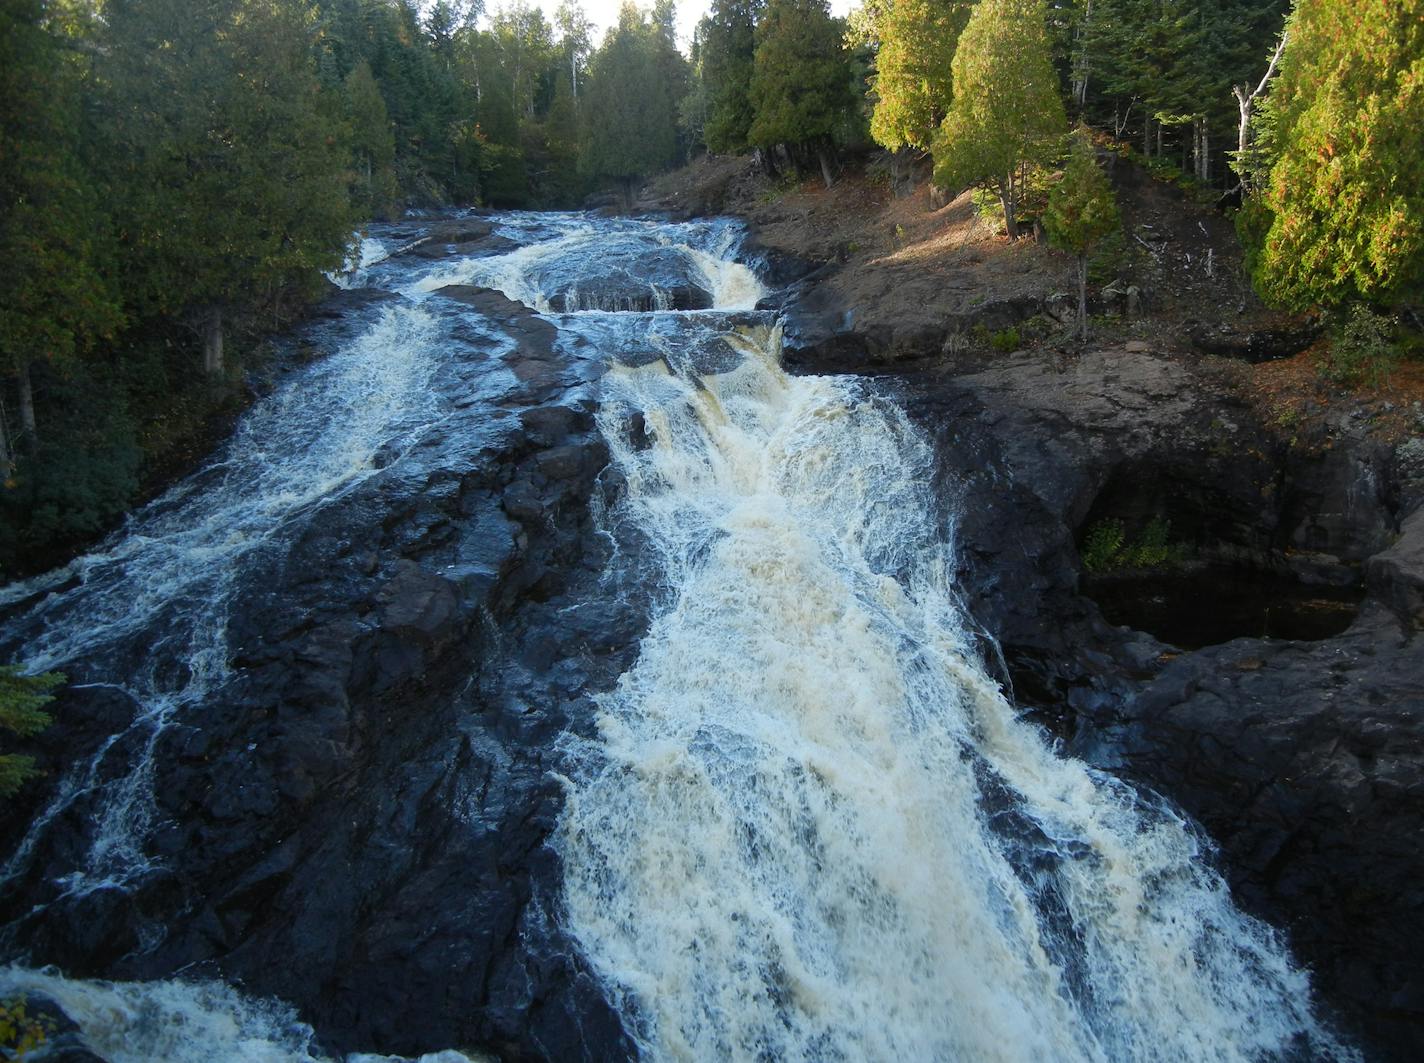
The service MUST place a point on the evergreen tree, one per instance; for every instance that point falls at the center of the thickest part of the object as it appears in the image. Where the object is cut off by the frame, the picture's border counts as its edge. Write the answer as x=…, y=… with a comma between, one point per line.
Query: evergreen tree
x=630, y=128
x=22, y=698
x=913, y=78
x=1344, y=201
x=373, y=144
x=728, y=47
x=1006, y=113
x=54, y=298
x=228, y=180
x=1082, y=211
x=800, y=87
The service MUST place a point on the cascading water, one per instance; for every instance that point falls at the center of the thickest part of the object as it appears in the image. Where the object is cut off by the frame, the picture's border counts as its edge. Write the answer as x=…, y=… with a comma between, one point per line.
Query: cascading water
x=814, y=828
x=810, y=826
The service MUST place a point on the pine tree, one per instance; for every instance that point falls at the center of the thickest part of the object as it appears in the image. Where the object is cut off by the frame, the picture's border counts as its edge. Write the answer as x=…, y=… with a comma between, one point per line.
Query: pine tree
x=1006, y=112
x=228, y=179
x=913, y=79
x=22, y=698
x=630, y=128
x=728, y=47
x=1082, y=211
x=800, y=87
x=1344, y=201
x=373, y=145
x=54, y=297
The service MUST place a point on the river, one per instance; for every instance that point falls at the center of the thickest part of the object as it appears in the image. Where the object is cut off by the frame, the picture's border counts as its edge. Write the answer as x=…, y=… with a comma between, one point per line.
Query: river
x=804, y=823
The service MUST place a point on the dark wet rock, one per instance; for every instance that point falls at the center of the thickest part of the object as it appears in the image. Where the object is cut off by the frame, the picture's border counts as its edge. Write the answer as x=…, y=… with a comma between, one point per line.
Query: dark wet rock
x=1396, y=575
x=533, y=334
x=625, y=279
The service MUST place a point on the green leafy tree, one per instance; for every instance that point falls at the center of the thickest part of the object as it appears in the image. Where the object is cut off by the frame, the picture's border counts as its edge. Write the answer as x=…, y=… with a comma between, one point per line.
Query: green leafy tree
x=1081, y=212
x=575, y=41
x=914, y=78
x=229, y=181
x=1342, y=212
x=22, y=700
x=1006, y=115
x=373, y=144
x=800, y=87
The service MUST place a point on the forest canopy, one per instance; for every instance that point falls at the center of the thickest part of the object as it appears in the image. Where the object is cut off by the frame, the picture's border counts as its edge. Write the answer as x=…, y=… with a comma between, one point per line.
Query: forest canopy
x=176, y=177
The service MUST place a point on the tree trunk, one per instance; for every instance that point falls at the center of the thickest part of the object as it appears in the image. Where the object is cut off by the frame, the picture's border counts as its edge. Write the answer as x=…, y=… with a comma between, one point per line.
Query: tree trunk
x=213, y=343
x=27, y=407
x=1147, y=136
x=7, y=459
x=1083, y=298
x=1080, y=61
x=827, y=174
x=1006, y=200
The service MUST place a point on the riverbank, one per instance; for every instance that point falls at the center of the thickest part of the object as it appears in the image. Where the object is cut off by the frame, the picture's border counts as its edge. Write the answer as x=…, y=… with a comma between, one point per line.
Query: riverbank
x=1188, y=463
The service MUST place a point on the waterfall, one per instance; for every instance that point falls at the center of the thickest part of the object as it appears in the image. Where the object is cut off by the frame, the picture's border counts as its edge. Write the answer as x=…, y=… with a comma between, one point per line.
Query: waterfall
x=185, y=1022
x=812, y=827
x=809, y=826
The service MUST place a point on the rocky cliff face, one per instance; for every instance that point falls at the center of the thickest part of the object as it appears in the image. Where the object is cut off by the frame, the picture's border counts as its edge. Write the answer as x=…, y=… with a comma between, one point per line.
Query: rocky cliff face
x=1304, y=761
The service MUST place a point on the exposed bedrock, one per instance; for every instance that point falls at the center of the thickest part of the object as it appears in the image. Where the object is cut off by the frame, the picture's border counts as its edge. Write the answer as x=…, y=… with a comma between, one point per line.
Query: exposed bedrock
x=622, y=280
x=356, y=822
x=1303, y=759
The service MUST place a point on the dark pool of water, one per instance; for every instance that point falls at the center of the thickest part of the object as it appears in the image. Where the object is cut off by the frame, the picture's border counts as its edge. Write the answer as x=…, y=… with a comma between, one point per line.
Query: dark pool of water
x=1204, y=607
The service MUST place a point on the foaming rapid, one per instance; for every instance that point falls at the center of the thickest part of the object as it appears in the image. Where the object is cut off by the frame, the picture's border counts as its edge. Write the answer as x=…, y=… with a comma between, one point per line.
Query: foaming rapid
x=573, y=263
x=812, y=827
x=183, y=1022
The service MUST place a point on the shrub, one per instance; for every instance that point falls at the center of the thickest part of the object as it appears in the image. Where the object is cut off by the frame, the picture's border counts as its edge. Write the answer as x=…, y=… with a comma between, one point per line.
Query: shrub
x=21, y=700
x=1361, y=351
x=1106, y=547
x=1102, y=544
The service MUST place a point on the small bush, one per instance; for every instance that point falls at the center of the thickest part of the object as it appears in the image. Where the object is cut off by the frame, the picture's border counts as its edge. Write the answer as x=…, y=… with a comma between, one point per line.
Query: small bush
x=1102, y=544
x=1106, y=547
x=20, y=1032
x=1005, y=340
x=1361, y=351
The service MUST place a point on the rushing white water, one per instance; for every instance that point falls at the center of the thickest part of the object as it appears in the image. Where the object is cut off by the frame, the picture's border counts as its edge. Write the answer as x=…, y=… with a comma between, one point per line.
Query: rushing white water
x=363, y=253
x=560, y=254
x=814, y=828
x=184, y=1022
